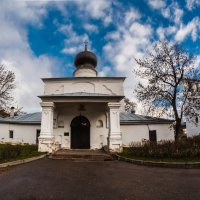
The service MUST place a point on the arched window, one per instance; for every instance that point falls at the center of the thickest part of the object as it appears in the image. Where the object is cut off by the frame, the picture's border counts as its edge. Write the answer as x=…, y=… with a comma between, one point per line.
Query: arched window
x=99, y=124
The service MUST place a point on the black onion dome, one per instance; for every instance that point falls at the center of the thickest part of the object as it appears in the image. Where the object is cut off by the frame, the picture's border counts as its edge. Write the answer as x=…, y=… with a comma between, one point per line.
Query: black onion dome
x=85, y=57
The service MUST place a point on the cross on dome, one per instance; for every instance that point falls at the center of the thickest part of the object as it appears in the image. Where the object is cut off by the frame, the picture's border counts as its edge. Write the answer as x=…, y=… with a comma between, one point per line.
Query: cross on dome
x=86, y=45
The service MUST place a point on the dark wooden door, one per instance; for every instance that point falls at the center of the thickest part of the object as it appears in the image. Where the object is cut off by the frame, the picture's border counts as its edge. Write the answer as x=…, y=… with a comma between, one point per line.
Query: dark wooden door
x=37, y=135
x=80, y=133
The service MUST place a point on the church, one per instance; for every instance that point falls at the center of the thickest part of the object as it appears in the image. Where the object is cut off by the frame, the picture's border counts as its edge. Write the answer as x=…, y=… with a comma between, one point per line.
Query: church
x=83, y=112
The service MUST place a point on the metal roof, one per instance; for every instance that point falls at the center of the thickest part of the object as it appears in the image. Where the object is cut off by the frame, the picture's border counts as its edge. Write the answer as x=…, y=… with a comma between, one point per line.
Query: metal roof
x=32, y=118
x=132, y=118
x=125, y=119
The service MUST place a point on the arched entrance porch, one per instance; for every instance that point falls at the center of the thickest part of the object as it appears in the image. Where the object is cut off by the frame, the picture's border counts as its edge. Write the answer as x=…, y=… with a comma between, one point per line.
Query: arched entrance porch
x=80, y=133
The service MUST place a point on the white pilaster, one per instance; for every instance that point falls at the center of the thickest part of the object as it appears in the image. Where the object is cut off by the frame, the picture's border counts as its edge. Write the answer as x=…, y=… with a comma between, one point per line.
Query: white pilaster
x=46, y=139
x=115, y=138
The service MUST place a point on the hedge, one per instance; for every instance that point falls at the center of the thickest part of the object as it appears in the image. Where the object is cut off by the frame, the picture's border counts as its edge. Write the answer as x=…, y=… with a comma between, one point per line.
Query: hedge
x=9, y=152
x=188, y=148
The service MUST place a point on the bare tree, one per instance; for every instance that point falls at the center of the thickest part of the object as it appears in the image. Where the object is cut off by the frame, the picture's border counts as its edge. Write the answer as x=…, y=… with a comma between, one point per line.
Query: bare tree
x=168, y=69
x=130, y=106
x=7, y=84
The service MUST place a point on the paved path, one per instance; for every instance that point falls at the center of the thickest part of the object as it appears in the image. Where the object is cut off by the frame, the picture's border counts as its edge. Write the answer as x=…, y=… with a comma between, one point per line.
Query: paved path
x=61, y=179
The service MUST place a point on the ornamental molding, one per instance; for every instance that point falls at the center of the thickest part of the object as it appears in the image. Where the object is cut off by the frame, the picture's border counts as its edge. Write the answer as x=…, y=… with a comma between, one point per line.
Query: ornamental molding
x=114, y=105
x=47, y=104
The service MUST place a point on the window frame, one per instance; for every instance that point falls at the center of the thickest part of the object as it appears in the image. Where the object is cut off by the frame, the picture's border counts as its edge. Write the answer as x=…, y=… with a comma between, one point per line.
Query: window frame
x=153, y=136
x=11, y=134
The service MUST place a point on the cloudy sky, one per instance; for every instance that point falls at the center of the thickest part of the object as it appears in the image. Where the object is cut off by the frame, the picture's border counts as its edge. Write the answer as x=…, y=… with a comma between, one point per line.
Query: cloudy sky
x=40, y=38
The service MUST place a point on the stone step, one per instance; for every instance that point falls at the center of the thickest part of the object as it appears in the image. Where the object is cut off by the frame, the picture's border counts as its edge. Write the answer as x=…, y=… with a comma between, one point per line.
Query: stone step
x=79, y=155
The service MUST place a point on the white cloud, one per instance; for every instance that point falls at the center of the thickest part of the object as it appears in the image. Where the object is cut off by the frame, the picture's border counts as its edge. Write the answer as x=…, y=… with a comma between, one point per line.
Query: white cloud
x=16, y=54
x=166, y=12
x=105, y=71
x=126, y=43
x=90, y=28
x=173, y=12
x=96, y=9
x=73, y=42
x=164, y=32
x=157, y=4
x=180, y=32
x=87, y=9
x=191, y=4
x=161, y=33
x=132, y=43
x=113, y=35
x=64, y=28
x=178, y=13
x=23, y=11
x=69, y=50
x=107, y=20
x=131, y=16
x=192, y=28
x=140, y=30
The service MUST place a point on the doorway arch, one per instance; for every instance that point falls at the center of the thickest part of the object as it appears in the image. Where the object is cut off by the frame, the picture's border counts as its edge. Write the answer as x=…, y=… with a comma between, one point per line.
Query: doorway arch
x=80, y=133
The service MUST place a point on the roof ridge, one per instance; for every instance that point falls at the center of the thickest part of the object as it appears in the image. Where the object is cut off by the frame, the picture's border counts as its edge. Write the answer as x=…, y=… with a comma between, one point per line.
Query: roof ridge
x=143, y=117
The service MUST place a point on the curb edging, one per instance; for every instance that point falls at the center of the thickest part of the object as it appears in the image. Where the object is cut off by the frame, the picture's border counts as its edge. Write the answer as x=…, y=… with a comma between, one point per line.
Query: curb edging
x=18, y=162
x=160, y=164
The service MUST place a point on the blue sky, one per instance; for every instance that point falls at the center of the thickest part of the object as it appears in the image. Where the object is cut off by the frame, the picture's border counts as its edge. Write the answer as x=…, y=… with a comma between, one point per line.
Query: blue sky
x=40, y=38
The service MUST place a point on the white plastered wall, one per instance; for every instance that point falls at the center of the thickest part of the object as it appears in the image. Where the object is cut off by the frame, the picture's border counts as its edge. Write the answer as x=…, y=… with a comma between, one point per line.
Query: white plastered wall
x=103, y=86
x=21, y=133
x=135, y=133
x=85, y=72
x=93, y=112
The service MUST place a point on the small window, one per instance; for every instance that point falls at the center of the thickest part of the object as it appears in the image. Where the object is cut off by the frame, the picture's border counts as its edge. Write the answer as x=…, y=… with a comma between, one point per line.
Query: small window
x=10, y=134
x=37, y=135
x=66, y=133
x=152, y=136
x=60, y=124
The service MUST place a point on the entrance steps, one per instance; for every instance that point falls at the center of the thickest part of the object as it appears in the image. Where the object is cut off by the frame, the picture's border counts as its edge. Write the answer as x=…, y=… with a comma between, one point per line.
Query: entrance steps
x=81, y=155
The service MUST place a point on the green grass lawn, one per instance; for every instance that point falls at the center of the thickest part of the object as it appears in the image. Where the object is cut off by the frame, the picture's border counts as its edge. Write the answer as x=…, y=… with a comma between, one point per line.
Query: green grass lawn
x=10, y=152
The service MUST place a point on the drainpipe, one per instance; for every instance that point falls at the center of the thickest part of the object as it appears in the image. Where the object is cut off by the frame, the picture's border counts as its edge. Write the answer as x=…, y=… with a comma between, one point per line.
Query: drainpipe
x=148, y=127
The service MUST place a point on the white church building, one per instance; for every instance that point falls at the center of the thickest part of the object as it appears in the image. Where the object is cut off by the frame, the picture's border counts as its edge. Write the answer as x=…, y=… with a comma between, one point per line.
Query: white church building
x=83, y=112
